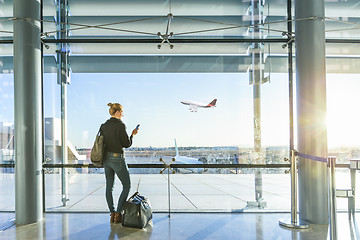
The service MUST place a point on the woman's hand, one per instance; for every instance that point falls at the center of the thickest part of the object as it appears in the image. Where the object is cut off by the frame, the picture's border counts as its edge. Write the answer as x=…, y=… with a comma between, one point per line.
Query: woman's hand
x=134, y=132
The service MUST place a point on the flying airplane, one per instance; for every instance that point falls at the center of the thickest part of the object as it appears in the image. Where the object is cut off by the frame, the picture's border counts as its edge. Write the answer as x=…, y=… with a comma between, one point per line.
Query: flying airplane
x=187, y=160
x=194, y=105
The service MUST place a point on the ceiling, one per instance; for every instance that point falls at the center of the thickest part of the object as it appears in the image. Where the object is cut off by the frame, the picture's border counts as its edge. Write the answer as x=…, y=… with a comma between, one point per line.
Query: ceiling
x=224, y=24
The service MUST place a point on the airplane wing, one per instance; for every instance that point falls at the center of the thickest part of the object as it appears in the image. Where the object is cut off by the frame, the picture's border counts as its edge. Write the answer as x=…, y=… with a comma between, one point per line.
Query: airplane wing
x=193, y=108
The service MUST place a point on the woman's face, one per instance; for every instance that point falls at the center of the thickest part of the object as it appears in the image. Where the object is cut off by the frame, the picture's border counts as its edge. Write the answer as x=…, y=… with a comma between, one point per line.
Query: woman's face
x=119, y=114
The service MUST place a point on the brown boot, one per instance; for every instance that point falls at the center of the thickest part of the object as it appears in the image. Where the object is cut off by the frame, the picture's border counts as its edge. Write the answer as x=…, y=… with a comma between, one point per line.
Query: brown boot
x=112, y=217
x=118, y=218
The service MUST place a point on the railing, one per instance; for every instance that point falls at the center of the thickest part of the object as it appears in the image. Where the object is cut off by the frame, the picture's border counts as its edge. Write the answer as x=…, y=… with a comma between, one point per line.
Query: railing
x=174, y=165
x=163, y=166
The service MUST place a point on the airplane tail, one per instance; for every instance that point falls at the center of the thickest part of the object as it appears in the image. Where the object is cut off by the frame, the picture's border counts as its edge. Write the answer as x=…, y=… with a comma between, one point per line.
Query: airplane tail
x=176, y=148
x=212, y=103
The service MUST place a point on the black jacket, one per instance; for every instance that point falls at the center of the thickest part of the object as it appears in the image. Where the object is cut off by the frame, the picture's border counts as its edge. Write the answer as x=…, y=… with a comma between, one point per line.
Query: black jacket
x=115, y=136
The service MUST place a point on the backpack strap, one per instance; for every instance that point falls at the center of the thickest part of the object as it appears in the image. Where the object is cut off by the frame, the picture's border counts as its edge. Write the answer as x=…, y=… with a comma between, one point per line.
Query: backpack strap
x=99, y=132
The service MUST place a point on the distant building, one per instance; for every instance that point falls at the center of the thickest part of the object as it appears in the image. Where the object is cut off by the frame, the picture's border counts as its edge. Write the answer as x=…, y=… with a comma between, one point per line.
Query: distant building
x=6, y=136
x=52, y=142
x=7, y=145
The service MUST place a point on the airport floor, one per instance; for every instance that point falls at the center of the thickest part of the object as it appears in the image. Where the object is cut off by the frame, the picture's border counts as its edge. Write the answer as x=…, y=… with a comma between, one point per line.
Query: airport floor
x=188, y=192
x=205, y=206
x=190, y=226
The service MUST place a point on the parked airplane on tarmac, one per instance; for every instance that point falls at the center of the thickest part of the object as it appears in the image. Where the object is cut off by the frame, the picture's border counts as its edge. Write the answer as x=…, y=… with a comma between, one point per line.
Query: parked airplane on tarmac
x=194, y=105
x=186, y=160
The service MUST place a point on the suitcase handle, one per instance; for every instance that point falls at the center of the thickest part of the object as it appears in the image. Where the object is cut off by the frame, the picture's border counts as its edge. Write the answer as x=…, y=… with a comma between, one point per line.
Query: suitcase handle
x=137, y=196
x=134, y=195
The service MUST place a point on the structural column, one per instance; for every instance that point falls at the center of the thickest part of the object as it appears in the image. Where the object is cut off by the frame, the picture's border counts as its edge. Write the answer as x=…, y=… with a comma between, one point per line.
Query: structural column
x=256, y=79
x=28, y=112
x=311, y=109
x=63, y=54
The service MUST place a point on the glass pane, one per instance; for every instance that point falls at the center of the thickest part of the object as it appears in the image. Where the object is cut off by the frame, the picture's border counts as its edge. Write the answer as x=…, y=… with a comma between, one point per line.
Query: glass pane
x=154, y=101
x=7, y=188
x=152, y=89
x=341, y=22
x=171, y=19
x=342, y=118
x=7, y=156
x=7, y=144
x=52, y=120
x=86, y=190
x=6, y=21
x=275, y=118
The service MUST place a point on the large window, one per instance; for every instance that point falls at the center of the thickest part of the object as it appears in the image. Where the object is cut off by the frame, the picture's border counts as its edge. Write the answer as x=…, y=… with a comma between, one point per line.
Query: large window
x=7, y=185
x=343, y=116
x=150, y=59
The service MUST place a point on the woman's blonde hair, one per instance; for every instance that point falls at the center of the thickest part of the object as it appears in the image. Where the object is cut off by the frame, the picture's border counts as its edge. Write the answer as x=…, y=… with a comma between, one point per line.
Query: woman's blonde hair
x=114, y=107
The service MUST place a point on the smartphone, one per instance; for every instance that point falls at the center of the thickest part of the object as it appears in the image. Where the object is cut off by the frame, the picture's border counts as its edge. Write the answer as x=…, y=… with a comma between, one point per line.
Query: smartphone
x=137, y=127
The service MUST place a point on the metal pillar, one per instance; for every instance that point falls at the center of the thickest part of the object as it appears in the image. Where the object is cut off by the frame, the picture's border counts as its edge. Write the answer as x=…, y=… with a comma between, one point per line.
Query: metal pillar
x=64, y=155
x=168, y=167
x=351, y=201
x=65, y=227
x=311, y=109
x=28, y=112
x=42, y=104
x=294, y=222
x=290, y=74
x=257, y=142
x=256, y=79
x=332, y=197
x=63, y=79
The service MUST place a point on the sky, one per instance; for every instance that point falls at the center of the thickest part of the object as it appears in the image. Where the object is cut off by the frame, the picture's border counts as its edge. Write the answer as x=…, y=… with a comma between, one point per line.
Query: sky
x=343, y=112
x=153, y=101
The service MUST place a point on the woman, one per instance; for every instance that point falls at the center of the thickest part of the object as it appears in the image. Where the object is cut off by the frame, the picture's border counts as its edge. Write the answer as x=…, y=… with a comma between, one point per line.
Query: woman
x=115, y=139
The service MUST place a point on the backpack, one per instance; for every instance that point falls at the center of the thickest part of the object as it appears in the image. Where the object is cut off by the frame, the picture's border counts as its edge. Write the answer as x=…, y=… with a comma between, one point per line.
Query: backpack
x=97, y=151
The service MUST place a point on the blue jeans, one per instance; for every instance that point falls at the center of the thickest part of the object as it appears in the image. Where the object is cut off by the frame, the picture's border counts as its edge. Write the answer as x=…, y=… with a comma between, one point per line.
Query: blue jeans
x=116, y=165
